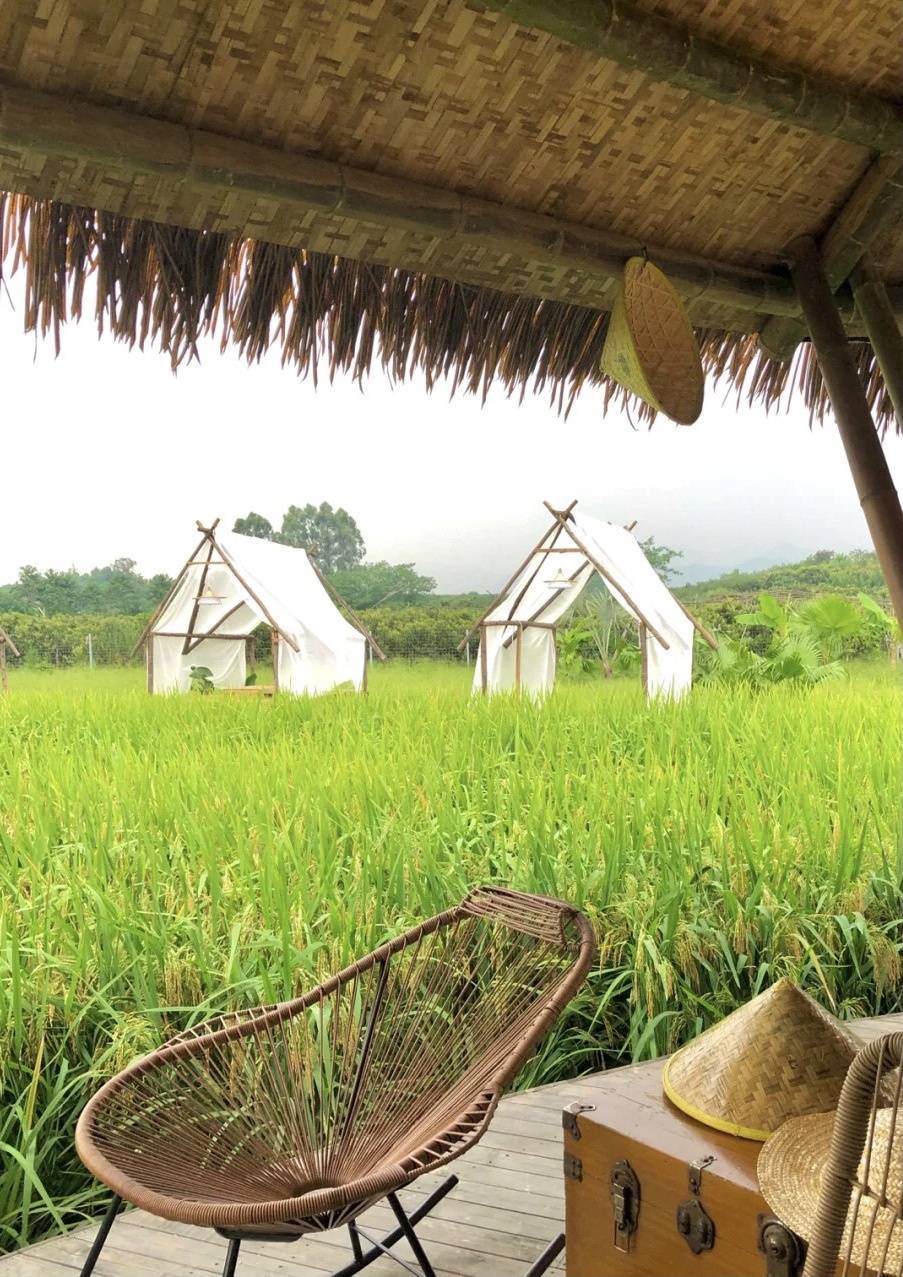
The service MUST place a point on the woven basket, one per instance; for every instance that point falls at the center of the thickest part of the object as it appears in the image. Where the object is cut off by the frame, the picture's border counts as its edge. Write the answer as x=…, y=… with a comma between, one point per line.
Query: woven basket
x=777, y=1057
x=650, y=347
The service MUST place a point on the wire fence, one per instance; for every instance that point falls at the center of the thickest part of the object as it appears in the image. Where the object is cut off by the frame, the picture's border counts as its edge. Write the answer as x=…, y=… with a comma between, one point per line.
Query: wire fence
x=403, y=634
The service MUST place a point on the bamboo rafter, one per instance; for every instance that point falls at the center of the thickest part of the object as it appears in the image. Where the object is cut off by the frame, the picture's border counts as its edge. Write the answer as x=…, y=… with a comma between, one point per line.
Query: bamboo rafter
x=664, y=50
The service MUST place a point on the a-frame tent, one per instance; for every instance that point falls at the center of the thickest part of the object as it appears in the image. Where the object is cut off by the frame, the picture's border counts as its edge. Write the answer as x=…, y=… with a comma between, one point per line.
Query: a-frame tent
x=229, y=586
x=517, y=631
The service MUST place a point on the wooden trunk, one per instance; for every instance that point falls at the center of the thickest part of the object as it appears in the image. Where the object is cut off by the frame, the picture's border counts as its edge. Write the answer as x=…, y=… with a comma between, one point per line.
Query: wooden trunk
x=634, y=1123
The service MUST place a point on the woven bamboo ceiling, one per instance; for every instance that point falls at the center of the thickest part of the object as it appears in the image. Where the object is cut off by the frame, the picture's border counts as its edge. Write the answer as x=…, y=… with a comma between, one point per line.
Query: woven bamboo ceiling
x=514, y=151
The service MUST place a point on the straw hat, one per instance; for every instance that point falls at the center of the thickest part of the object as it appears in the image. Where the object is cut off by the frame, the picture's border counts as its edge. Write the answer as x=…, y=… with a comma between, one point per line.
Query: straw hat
x=777, y=1057
x=650, y=347
x=790, y=1169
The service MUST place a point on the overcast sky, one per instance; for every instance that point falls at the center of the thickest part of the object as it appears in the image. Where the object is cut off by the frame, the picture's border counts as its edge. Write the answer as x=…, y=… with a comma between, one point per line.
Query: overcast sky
x=103, y=452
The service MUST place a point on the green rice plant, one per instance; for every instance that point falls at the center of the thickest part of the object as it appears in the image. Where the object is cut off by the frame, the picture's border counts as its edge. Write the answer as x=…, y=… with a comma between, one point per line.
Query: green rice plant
x=165, y=858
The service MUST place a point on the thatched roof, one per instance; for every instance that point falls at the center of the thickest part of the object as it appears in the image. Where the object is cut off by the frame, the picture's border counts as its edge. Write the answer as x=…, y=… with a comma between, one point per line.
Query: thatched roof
x=450, y=185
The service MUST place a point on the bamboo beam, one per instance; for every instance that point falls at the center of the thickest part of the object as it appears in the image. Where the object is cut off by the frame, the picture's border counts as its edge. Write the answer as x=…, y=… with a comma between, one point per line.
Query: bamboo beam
x=552, y=531
x=606, y=576
x=675, y=54
x=190, y=562
x=874, y=203
x=341, y=603
x=127, y=145
x=882, y=328
x=877, y=494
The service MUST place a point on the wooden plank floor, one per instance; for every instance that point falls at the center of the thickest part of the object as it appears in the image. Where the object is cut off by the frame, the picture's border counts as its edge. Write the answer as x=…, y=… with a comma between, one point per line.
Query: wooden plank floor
x=508, y=1204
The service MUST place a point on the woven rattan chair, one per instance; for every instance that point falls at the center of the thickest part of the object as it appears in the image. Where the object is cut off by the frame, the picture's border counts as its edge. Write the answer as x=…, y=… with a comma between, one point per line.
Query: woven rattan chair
x=859, y=1220
x=295, y=1118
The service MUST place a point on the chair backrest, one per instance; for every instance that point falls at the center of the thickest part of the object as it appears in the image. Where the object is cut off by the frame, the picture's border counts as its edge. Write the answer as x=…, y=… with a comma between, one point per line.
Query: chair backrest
x=403, y=1055
x=859, y=1220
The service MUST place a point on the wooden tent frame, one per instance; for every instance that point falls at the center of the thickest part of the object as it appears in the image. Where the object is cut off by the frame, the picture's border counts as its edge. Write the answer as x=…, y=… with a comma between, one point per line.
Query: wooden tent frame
x=192, y=637
x=6, y=642
x=546, y=545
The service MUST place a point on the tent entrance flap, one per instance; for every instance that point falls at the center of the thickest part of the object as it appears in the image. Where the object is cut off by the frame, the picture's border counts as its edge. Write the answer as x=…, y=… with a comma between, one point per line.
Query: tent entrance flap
x=517, y=631
x=230, y=585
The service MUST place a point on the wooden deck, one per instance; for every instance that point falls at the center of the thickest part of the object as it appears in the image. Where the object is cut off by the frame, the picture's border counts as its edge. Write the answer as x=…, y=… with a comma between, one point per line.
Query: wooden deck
x=508, y=1204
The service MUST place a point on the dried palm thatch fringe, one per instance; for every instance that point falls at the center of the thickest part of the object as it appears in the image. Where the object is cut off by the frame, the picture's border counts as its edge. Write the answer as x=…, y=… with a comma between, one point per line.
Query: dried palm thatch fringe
x=171, y=286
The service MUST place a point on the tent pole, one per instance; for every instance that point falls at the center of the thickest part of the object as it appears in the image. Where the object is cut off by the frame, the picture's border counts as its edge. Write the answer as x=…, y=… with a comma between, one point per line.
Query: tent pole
x=517, y=655
x=242, y=582
x=366, y=662
x=484, y=662
x=561, y=516
x=881, y=326
x=4, y=685
x=506, y=586
x=871, y=474
x=274, y=647
x=644, y=659
x=172, y=589
x=196, y=606
x=149, y=663
x=342, y=603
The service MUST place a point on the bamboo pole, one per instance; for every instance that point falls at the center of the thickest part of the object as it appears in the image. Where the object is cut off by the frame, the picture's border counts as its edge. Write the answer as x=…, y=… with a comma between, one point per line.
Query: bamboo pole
x=518, y=649
x=606, y=576
x=4, y=681
x=274, y=648
x=484, y=662
x=127, y=145
x=678, y=55
x=703, y=633
x=197, y=639
x=644, y=658
x=882, y=329
x=195, y=607
x=190, y=562
x=877, y=494
x=511, y=579
x=149, y=663
x=341, y=603
x=268, y=616
x=874, y=203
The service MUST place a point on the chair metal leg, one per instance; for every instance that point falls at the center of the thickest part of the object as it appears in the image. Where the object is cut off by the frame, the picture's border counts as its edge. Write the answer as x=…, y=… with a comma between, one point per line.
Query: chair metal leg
x=410, y=1236
x=102, y=1233
x=231, y=1257
x=547, y=1258
x=364, y=1257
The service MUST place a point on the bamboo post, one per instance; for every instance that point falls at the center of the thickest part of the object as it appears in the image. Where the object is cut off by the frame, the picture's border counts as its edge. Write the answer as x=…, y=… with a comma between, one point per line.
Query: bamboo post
x=484, y=662
x=149, y=661
x=4, y=681
x=366, y=664
x=644, y=659
x=274, y=644
x=518, y=647
x=877, y=494
x=883, y=331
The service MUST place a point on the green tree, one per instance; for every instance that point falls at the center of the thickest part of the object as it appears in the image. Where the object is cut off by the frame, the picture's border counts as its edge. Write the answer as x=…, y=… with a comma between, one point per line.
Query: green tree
x=254, y=525
x=370, y=584
x=662, y=558
x=331, y=534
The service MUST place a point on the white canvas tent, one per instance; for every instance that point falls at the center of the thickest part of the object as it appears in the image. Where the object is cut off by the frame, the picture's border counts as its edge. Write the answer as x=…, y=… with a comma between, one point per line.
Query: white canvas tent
x=517, y=632
x=232, y=584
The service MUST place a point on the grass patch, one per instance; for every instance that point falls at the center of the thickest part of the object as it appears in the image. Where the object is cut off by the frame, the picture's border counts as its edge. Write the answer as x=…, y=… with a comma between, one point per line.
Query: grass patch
x=163, y=858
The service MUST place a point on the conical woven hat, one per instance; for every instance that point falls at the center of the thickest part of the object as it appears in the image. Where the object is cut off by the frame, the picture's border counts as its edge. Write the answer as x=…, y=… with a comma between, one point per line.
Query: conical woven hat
x=650, y=347
x=777, y=1057
x=790, y=1169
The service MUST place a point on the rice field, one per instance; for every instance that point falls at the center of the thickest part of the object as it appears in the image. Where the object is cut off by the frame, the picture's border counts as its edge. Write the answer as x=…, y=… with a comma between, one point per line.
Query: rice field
x=161, y=859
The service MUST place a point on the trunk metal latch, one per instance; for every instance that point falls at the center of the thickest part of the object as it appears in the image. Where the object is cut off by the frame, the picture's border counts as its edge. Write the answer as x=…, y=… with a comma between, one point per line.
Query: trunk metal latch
x=624, y=1190
x=694, y=1223
x=569, y=1117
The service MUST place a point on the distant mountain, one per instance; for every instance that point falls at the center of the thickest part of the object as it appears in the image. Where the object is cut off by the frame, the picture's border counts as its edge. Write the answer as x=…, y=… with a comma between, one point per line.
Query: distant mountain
x=693, y=573
x=821, y=573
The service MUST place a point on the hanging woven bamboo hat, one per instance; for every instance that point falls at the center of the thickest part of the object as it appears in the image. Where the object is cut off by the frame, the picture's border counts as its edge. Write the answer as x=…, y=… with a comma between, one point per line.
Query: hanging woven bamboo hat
x=777, y=1057
x=790, y=1170
x=650, y=347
